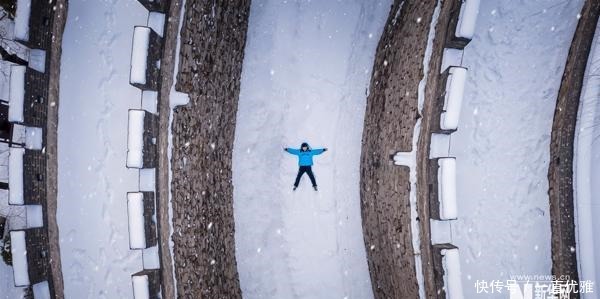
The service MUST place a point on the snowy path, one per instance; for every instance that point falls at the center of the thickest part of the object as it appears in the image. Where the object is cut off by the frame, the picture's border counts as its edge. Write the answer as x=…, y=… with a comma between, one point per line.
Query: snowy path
x=92, y=179
x=306, y=69
x=515, y=64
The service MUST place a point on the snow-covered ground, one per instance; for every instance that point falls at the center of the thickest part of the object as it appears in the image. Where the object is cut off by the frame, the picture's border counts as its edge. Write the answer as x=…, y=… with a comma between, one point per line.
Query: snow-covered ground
x=93, y=181
x=587, y=170
x=515, y=63
x=306, y=68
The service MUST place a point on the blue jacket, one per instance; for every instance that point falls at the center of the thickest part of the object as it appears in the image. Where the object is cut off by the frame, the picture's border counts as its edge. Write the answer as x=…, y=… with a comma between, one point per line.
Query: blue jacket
x=305, y=158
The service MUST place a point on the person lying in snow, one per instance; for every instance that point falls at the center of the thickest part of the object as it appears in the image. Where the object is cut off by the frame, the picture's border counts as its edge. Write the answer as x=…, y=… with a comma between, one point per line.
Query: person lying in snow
x=305, y=161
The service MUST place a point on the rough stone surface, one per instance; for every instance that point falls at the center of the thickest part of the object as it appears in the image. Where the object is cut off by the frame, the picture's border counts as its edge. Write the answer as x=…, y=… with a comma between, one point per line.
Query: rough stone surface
x=149, y=139
x=34, y=177
x=560, y=171
x=426, y=178
x=36, y=240
x=41, y=26
x=55, y=278
x=35, y=104
x=212, y=43
x=163, y=223
x=389, y=124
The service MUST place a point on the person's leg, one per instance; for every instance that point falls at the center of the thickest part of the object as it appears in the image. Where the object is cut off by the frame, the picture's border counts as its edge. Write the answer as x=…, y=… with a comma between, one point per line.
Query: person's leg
x=311, y=176
x=300, y=173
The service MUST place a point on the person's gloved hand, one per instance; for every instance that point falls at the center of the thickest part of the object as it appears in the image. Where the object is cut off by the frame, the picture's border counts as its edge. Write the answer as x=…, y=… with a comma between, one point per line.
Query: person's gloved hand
x=285, y=149
x=325, y=149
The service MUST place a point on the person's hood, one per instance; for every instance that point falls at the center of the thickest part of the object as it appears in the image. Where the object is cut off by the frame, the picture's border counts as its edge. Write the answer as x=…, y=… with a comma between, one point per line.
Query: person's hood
x=305, y=144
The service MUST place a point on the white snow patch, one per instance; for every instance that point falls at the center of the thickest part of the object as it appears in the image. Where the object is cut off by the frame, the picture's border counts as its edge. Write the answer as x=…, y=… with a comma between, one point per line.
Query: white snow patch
x=135, y=139
x=15, y=176
x=35, y=217
x=33, y=138
x=139, y=54
x=451, y=57
x=41, y=290
x=447, y=188
x=37, y=60
x=16, y=93
x=150, y=101
x=455, y=89
x=18, y=250
x=452, y=275
x=151, y=258
x=439, y=145
x=586, y=171
x=148, y=179
x=156, y=21
x=441, y=231
x=22, y=20
x=467, y=19
x=141, y=286
x=135, y=214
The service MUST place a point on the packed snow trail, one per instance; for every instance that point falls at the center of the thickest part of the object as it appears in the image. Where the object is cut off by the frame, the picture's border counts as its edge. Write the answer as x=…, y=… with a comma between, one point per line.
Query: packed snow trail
x=306, y=70
x=93, y=181
x=515, y=63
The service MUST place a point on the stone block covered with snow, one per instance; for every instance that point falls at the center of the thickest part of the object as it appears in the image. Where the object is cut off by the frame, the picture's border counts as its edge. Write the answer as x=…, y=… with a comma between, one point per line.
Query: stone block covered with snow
x=37, y=60
x=155, y=5
x=447, y=276
x=22, y=16
x=146, y=284
x=452, y=276
x=442, y=194
x=447, y=108
x=156, y=21
x=33, y=138
x=29, y=249
x=447, y=188
x=142, y=134
x=463, y=17
x=146, y=52
x=33, y=23
x=141, y=219
x=15, y=176
x=18, y=250
x=16, y=94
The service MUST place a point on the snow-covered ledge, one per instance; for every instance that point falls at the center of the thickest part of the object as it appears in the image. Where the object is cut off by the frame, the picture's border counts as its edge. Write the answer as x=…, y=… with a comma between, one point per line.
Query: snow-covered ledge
x=455, y=89
x=135, y=139
x=37, y=60
x=141, y=286
x=467, y=19
x=139, y=55
x=135, y=214
x=19, y=258
x=146, y=284
x=16, y=95
x=447, y=188
x=22, y=20
x=15, y=176
x=452, y=276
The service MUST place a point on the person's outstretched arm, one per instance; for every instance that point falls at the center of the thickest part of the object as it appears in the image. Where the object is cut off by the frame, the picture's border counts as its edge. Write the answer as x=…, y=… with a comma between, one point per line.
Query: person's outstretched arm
x=318, y=151
x=292, y=151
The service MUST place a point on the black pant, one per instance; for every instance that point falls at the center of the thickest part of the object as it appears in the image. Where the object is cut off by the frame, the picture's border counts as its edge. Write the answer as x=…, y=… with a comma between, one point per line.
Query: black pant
x=308, y=171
